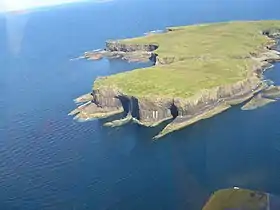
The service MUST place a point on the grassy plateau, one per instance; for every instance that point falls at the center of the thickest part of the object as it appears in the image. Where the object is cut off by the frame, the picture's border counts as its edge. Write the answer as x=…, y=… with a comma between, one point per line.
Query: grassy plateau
x=204, y=56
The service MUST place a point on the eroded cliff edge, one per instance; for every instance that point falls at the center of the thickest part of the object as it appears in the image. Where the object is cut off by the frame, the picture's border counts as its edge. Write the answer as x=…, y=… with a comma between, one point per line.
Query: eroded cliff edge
x=108, y=99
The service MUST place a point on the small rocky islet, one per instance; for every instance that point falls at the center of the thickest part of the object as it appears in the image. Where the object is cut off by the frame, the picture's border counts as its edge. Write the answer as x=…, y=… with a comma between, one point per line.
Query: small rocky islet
x=199, y=71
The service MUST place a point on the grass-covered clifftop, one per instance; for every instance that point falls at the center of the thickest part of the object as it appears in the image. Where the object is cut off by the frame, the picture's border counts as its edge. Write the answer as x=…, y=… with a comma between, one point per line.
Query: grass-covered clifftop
x=193, y=58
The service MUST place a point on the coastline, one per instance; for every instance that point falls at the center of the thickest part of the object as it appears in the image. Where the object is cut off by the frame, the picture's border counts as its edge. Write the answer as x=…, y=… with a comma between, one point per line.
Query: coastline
x=184, y=111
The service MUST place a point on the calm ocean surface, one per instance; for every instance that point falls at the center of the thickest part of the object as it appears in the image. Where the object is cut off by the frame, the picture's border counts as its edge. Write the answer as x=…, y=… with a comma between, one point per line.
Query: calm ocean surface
x=50, y=162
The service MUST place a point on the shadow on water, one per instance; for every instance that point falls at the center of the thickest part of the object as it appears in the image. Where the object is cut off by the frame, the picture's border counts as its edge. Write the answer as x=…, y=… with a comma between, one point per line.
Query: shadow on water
x=161, y=165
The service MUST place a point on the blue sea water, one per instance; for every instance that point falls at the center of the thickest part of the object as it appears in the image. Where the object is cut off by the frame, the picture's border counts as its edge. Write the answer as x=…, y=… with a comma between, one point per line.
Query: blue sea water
x=50, y=162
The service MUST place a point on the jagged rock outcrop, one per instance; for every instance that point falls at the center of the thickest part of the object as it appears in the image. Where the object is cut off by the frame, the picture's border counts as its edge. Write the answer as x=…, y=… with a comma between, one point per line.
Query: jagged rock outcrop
x=122, y=47
x=257, y=102
x=269, y=95
x=104, y=104
x=84, y=98
x=273, y=33
x=272, y=92
x=128, y=52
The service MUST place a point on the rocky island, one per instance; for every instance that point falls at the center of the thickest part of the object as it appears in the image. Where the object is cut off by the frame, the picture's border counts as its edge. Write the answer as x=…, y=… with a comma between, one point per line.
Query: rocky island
x=199, y=71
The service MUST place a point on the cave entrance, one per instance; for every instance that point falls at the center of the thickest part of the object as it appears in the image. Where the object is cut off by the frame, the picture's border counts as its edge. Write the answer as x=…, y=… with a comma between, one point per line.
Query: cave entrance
x=174, y=111
x=135, y=108
x=130, y=105
x=125, y=103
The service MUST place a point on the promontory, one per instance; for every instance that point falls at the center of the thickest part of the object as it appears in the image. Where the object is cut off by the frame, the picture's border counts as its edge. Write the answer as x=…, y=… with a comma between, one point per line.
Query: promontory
x=199, y=71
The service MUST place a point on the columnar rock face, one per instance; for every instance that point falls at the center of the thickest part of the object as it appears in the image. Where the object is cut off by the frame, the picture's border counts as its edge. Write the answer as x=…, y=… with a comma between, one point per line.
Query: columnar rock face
x=118, y=46
x=153, y=112
x=147, y=112
x=104, y=103
x=211, y=98
x=106, y=98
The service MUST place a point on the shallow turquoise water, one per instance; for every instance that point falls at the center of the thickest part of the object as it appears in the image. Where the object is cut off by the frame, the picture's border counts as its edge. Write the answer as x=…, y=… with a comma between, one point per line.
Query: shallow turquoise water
x=49, y=162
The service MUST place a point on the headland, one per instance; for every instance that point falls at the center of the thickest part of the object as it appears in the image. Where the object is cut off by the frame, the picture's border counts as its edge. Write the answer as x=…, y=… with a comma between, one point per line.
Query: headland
x=199, y=71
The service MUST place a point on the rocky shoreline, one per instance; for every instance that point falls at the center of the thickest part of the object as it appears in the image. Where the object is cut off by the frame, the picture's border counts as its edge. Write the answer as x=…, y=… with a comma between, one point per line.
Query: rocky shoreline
x=109, y=101
x=129, y=53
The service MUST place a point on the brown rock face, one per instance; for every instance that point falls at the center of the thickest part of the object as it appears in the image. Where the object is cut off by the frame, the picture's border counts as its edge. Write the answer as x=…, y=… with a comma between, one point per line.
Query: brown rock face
x=104, y=103
x=154, y=112
x=106, y=98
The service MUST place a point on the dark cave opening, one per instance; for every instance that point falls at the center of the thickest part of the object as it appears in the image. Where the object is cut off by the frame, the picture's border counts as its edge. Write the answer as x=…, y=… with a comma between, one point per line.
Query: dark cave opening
x=174, y=111
x=125, y=103
x=134, y=108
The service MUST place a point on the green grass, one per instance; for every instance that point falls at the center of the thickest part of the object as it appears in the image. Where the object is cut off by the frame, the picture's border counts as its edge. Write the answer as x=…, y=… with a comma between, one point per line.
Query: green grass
x=205, y=56
x=237, y=199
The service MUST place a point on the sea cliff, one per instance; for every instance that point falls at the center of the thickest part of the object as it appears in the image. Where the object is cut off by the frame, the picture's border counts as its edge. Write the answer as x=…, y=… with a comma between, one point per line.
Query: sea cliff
x=111, y=98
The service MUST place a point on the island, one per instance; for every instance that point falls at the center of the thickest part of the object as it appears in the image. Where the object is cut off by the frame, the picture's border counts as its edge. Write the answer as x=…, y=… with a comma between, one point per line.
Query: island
x=199, y=71
x=236, y=198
